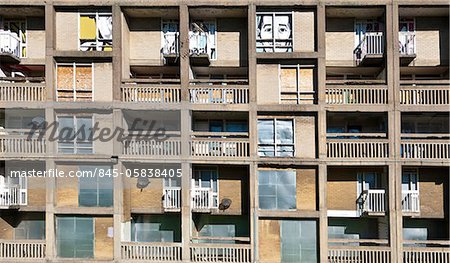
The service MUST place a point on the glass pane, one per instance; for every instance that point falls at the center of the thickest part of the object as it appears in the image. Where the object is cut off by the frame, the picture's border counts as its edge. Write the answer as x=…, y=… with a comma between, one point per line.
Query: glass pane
x=266, y=150
x=285, y=131
x=266, y=132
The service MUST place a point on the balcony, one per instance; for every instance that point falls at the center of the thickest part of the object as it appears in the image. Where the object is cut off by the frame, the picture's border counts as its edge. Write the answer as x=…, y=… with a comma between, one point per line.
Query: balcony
x=204, y=199
x=356, y=94
x=425, y=149
x=373, y=202
x=145, y=93
x=217, y=94
x=170, y=147
x=9, y=47
x=423, y=94
x=410, y=201
x=208, y=252
x=357, y=148
x=435, y=251
x=370, y=50
x=17, y=92
x=220, y=147
x=172, y=199
x=22, y=249
x=17, y=144
x=12, y=196
x=363, y=254
x=151, y=252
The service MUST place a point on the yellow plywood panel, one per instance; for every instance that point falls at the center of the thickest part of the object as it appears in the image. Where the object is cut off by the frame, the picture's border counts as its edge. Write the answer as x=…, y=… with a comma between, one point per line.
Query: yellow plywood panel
x=83, y=77
x=306, y=189
x=288, y=80
x=87, y=28
x=306, y=82
x=103, y=240
x=269, y=241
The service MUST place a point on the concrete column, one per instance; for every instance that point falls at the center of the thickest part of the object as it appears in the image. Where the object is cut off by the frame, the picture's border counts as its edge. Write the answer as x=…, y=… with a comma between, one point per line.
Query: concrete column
x=50, y=40
x=323, y=217
x=185, y=184
x=184, y=52
x=50, y=185
x=118, y=188
x=117, y=51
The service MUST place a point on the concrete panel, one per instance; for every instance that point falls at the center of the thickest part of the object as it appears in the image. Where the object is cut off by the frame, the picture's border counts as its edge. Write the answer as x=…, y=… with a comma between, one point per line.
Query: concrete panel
x=103, y=243
x=305, y=137
x=145, y=39
x=340, y=41
x=269, y=241
x=431, y=41
x=268, y=91
x=304, y=31
x=66, y=31
x=125, y=48
x=103, y=81
x=104, y=121
x=342, y=190
x=432, y=192
x=306, y=189
x=149, y=197
x=35, y=38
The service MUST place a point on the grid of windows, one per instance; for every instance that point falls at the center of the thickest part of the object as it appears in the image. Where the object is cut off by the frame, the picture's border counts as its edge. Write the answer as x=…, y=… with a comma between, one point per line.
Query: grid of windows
x=276, y=137
x=75, y=134
x=277, y=189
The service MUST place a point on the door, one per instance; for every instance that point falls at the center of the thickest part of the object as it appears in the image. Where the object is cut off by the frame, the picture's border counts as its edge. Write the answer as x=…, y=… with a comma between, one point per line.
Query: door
x=406, y=37
x=205, y=188
x=367, y=181
x=364, y=26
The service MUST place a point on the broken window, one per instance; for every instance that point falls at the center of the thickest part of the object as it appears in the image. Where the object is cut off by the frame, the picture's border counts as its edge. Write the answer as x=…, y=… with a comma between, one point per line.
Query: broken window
x=95, y=31
x=277, y=189
x=202, y=38
x=276, y=137
x=74, y=82
x=297, y=84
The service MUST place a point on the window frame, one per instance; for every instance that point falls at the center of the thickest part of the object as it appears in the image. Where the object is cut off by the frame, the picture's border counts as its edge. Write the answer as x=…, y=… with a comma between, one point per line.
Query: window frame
x=413, y=178
x=97, y=184
x=74, y=218
x=21, y=45
x=276, y=189
x=274, y=46
x=98, y=42
x=215, y=175
x=74, y=81
x=275, y=144
x=299, y=94
x=75, y=147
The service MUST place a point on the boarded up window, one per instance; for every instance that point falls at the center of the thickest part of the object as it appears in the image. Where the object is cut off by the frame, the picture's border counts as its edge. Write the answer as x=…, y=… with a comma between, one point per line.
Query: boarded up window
x=297, y=85
x=74, y=82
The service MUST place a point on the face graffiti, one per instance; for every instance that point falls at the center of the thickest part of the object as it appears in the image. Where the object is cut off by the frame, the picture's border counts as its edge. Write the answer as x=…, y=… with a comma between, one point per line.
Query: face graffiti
x=274, y=33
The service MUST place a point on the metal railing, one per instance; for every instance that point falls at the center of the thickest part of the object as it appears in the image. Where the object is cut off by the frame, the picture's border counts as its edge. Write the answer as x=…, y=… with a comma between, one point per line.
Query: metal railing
x=204, y=198
x=237, y=253
x=220, y=147
x=353, y=95
x=170, y=147
x=9, y=43
x=219, y=95
x=357, y=148
x=425, y=149
x=359, y=254
x=424, y=95
x=426, y=254
x=410, y=201
x=371, y=44
x=151, y=252
x=20, y=144
x=13, y=195
x=373, y=201
x=22, y=249
x=172, y=198
x=151, y=94
x=22, y=91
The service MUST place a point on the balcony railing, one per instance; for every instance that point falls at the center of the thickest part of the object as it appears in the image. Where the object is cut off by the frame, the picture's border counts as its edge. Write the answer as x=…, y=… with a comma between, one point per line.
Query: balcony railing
x=220, y=147
x=172, y=198
x=372, y=44
x=424, y=95
x=151, y=94
x=12, y=195
x=9, y=43
x=219, y=95
x=410, y=201
x=407, y=41
x=171, y=147
x=425, y=149
x=356, y=95
x=357, y=148
x=426, y=254
x=235, y=253
x=373, y=201
x=204, y=199
x=22, y=249
x=22, y=92
x=20, y=144
x=151, y=252
x=359, y=254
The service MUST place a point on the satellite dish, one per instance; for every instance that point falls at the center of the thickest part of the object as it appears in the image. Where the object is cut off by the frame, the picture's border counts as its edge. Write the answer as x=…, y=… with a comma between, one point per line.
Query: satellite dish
x=142, y=183
x=225, y=204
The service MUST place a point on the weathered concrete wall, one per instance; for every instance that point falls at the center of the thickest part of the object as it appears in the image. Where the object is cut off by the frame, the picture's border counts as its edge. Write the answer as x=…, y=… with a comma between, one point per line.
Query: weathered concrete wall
x=340, y=41
x=66, y=31
x=145, y=39
x=102, y=82
x=231, y=42
x=305, y=136
x=432, y=40
x=304, y=31
x=268, y=84
x=35, y=37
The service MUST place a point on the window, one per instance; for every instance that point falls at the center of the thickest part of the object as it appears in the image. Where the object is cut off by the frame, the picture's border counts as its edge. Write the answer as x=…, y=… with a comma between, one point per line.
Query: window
x=30, y=229
x=298, y=241
x=95, y=191
x=156, y=228
x=170, y=37
x=75, y=237
x=366, y=26
x=276, y=137
x=205, y=182
x=217, y=230
x=95, y=31
x=202, y=38
x=410, y=180
x=74, y=82
x=274, y=32
x=407, y=36
x=297, y=84
x=367, y=181
x=221, y=125
x=75, y=134
x=18, y=29
x=277, y=189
